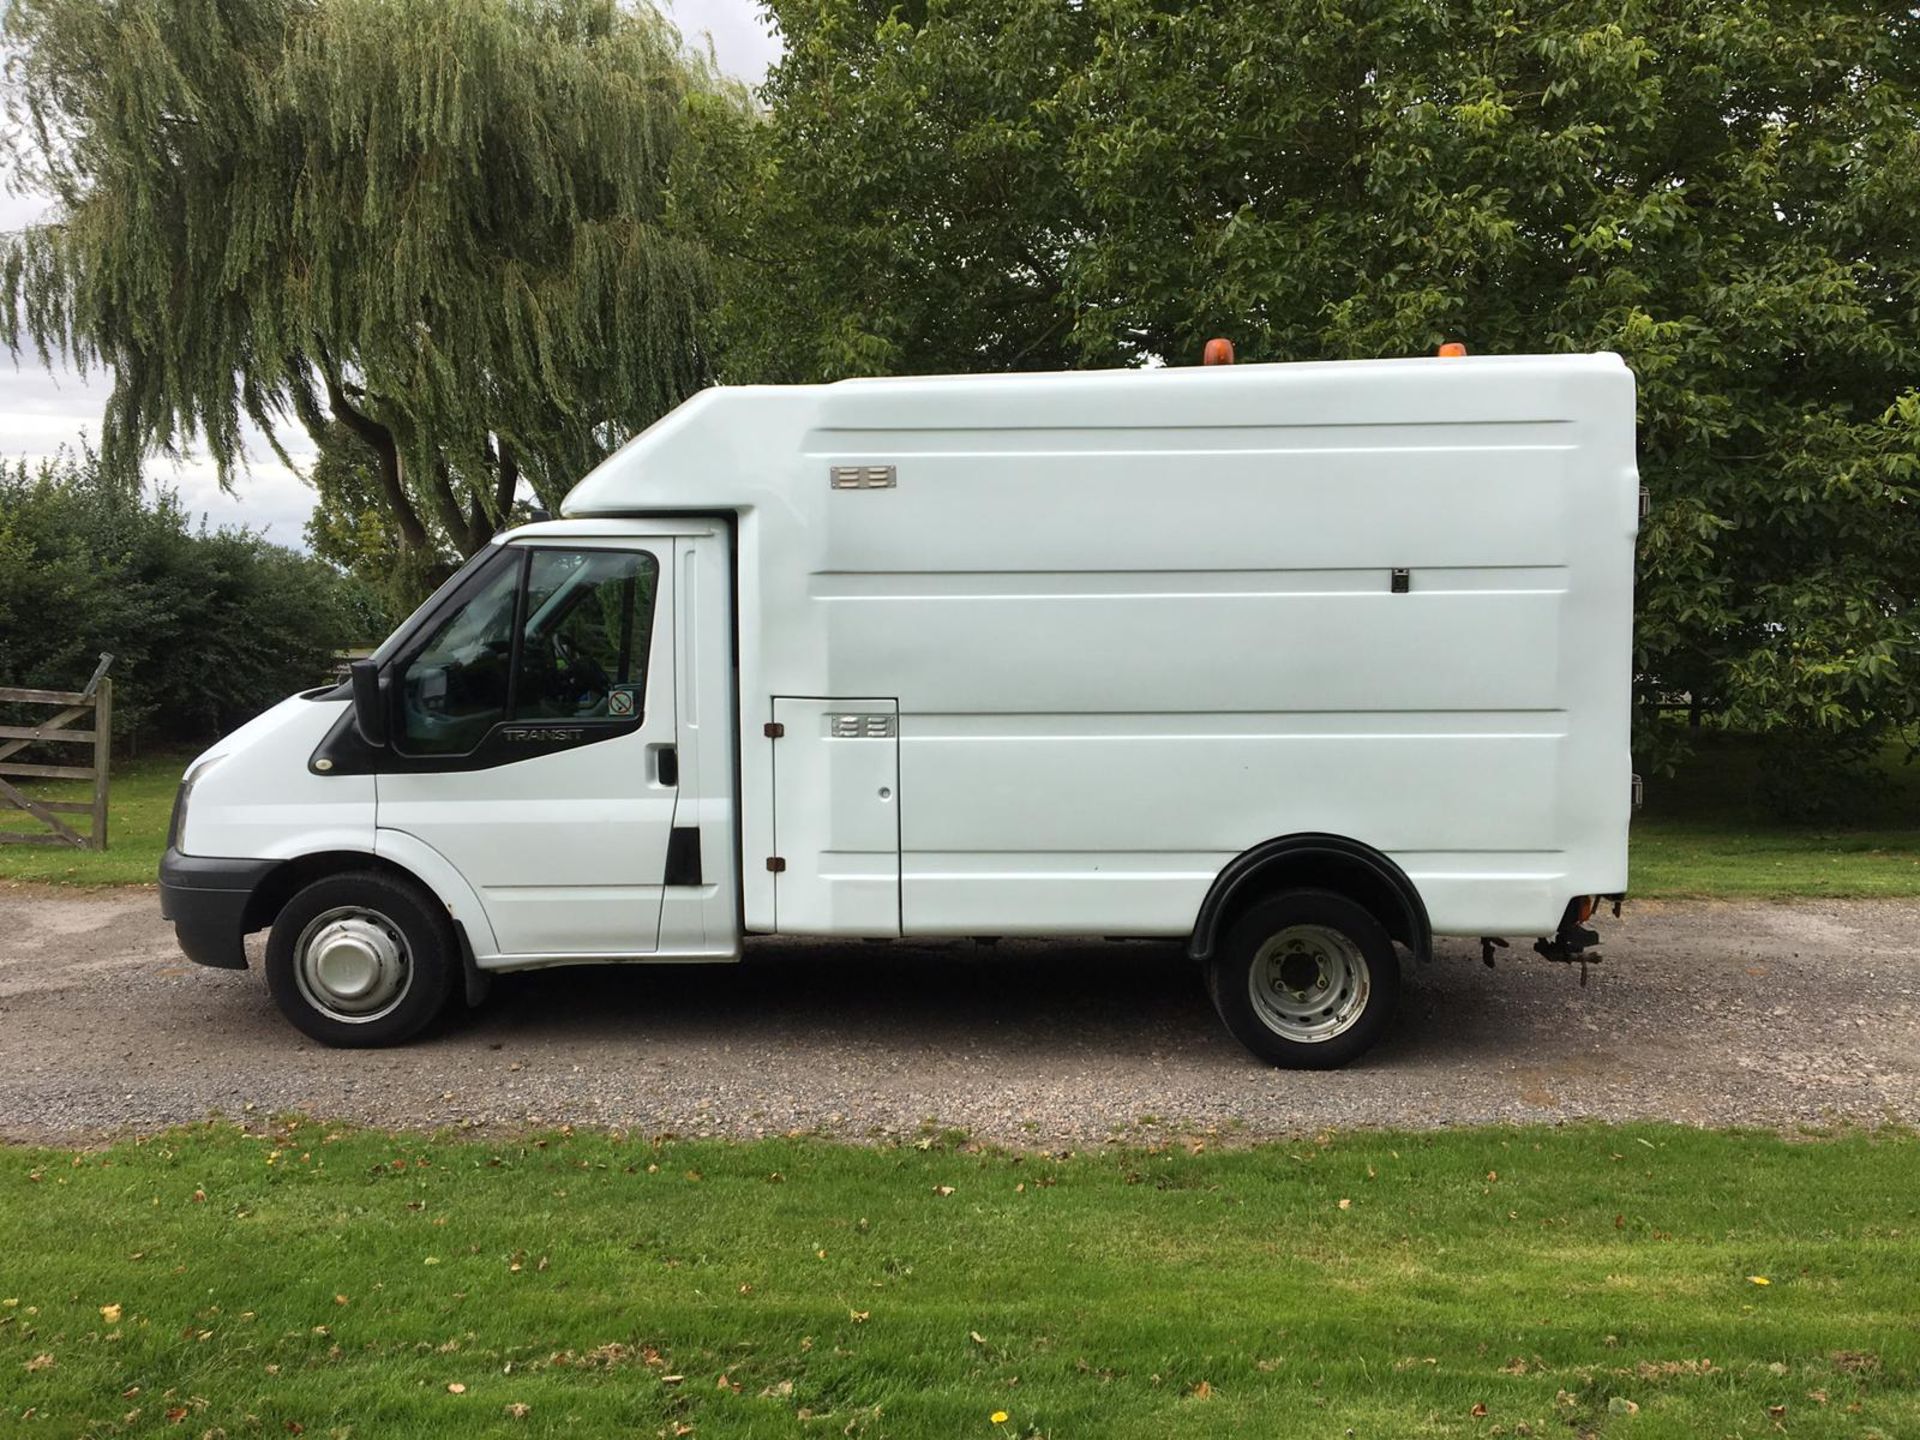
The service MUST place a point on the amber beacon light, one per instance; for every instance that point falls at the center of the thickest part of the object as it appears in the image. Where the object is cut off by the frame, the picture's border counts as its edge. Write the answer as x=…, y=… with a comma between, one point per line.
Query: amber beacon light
x=1452, y=350
x=1219, y=351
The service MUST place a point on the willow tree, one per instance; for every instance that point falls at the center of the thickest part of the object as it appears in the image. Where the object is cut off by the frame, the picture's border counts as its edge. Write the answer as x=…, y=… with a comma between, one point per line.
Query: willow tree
x=458, y=241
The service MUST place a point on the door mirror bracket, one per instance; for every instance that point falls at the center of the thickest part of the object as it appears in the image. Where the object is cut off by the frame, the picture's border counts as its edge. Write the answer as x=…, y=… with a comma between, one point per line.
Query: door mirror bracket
x=369, y=702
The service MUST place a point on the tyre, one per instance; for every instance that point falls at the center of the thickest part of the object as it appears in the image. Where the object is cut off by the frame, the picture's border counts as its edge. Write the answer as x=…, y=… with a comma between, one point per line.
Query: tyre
x=362, y=959
x=1306, y=979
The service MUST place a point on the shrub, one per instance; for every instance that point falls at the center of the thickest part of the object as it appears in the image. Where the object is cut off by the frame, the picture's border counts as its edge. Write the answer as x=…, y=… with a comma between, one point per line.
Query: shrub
x=207, y=626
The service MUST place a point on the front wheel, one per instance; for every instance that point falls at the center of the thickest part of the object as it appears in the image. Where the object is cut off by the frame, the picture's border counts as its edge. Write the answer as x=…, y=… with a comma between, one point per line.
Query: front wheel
x=361, y=959
x=1306, y=979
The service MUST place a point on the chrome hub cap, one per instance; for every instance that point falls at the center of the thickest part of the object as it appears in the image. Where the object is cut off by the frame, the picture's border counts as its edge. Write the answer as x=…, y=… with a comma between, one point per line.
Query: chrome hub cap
x=1309, y=983
x=352, y=964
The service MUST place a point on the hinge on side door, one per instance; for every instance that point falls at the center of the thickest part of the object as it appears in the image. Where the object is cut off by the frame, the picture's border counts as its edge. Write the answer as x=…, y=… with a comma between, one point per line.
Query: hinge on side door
x=773, y=730
x=776, y=864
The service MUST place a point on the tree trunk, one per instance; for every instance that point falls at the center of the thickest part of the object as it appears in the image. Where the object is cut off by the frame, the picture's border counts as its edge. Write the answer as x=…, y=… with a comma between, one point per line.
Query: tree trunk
x=379, y=439
x=447, y=504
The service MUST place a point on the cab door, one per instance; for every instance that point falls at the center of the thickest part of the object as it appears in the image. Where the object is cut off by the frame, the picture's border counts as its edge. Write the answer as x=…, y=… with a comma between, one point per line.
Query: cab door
x=533, y=732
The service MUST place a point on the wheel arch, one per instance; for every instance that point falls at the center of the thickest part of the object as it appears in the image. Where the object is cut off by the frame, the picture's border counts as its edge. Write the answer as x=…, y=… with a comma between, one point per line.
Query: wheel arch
x=1319, y=862
x=287, y=879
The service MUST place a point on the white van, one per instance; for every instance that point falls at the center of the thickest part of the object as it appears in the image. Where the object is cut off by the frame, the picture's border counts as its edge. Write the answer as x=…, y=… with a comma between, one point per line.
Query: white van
x=1296, y=663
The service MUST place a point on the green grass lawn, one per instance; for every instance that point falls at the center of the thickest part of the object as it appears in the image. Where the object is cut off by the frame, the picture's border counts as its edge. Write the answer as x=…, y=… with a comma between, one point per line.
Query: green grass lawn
x=1703, y=833
x=1706, y=832
x=331, y=1283
x=139, y=802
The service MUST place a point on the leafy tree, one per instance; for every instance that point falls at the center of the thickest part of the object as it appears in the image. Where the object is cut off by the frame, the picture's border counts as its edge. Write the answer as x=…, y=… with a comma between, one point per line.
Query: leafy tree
x=464, y=232
x=911, y=206
x=1725, y=191
x=208, y=627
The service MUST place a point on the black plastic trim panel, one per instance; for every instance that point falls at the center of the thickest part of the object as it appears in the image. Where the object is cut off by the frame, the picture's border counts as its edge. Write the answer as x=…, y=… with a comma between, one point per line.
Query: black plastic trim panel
x=683, y=855
x=206, y=899
x=511, y=740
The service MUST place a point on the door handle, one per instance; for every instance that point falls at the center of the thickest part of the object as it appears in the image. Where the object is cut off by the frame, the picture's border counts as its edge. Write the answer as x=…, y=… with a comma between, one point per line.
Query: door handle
x=666, y=766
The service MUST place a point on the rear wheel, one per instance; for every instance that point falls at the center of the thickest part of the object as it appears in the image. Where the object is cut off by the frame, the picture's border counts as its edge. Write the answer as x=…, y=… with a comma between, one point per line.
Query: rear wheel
x=1307, y=979
x=361, y=959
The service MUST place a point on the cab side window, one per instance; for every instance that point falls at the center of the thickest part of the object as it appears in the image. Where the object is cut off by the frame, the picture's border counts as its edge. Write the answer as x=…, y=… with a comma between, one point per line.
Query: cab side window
x=551, y=635
x=583, y=646
x=455, y=690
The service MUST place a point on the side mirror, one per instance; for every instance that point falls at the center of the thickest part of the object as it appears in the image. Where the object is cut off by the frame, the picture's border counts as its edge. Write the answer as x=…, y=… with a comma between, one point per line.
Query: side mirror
x=369, y=702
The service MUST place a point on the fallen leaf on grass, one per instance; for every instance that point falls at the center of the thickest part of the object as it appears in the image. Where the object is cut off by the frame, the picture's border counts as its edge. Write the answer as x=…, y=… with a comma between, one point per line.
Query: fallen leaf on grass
x=943, y=1191
x=779, y=1391
x=1202, y=1391
x=1620, y=1405
x=976, y=1337
x=176, y=1414
x=859, y=1317
x=1758, y=1280
x=1777, y=1412
x=39, y=1362
x=454, y=1387
x=1479, y=1411
x=517, y=1411
x=110, y=1314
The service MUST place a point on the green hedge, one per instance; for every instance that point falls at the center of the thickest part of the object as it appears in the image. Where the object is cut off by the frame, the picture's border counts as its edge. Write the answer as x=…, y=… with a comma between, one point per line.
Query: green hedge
x=208, y=626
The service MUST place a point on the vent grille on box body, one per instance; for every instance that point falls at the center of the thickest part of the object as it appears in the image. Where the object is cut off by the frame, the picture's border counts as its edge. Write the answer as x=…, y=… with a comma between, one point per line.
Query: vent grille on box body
x=864, y=477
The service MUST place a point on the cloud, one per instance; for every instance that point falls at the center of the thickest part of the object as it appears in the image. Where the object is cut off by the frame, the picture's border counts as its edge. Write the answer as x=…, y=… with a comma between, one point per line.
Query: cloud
x=743, y=38
x=42, y=413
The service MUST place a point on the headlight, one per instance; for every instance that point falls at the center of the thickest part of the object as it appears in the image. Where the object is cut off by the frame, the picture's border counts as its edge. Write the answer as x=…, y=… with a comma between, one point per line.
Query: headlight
x=177, y=826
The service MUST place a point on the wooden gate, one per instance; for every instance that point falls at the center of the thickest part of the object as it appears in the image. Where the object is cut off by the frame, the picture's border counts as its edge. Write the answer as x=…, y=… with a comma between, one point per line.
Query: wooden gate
x=95, y=703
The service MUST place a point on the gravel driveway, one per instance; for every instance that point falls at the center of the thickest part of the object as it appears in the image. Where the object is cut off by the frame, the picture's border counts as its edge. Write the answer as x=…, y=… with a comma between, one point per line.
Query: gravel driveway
x=1703, y=1013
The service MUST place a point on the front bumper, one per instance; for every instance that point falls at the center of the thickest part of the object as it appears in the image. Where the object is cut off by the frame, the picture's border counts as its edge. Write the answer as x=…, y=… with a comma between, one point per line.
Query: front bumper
x=205, y=896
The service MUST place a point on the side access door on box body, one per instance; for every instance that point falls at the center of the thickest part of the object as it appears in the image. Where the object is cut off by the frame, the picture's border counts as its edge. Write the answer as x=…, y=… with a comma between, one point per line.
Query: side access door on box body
x=836, y=816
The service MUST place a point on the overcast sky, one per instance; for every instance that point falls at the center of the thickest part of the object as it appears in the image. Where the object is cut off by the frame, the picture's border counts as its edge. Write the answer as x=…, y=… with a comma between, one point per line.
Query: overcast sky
x=42, y=410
